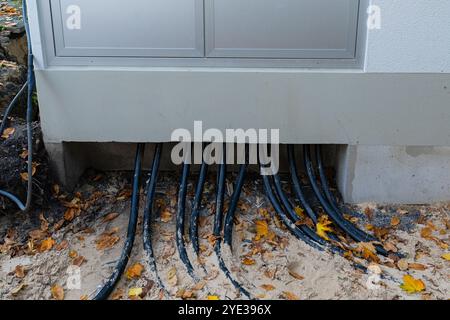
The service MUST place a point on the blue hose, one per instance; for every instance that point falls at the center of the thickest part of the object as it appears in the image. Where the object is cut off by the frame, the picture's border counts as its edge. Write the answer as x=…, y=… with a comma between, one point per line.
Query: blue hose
x=30, y=84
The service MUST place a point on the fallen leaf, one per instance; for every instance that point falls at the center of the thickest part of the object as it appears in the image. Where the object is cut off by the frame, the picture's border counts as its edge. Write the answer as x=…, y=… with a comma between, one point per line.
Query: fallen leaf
x=262, y=229
x=69, y=215
x=78, y=261
x=300, y=212
x=389, y=246
x=106, y=241
x=417, y=266
x=402, y=264
x=426, y=233
x=248, y=262
x=213, y=298
x=289, y=296
x=446, y=256
x=17, y=289
x=83, y=297
x=46, y=245
x=323, y=226
x=172, y=278
x=368, y=251
x=57, y=292
x=37, y=234
x=295, y=275
x=395, y=221
x=24, y=175
x=268, y=287
x=110, y=217
x=199, y=286
x=166, y=216
x=135, y=271
x=135, y=292
x=117, y=295
x=19, y=272
x=8, y=132
x=73, y=254
x=412, y=285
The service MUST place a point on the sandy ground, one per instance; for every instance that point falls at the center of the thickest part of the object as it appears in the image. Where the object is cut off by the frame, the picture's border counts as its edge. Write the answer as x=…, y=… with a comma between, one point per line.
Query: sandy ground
x=281, y=267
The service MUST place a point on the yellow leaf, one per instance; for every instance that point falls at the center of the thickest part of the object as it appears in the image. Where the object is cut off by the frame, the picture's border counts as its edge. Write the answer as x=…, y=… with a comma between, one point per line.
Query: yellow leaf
x=268, y=287
x=213, y=298
x=73, y=254
x=446, y=256
x=262, y=229
x=57, y=292
x=172, y=277
x=8, y=132
x=47, y=245
x=135, y=292
x=135, y=271
x=248, y=262
x=322, y=227
x=300, y=212
x=395, y=221
x=412, y=285
x=368, y=251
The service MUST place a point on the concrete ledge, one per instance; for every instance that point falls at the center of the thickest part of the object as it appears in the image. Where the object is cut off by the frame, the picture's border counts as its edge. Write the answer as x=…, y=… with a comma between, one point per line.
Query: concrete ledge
x=401, y=175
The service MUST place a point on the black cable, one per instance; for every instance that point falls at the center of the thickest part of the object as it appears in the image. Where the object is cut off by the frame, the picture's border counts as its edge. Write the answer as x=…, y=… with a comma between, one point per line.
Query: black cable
x=229, y=218
x=148, y=215
x=181, y=211
x=297, y=187
x=295, y=218
x=110, y=284
x=298, y=233
x=30, y=84
x=193, y=229
x=337, y=218
x=220, y=198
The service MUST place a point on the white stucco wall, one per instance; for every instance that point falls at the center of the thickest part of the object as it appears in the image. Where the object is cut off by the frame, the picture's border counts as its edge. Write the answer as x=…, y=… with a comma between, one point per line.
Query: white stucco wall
x=414, y=37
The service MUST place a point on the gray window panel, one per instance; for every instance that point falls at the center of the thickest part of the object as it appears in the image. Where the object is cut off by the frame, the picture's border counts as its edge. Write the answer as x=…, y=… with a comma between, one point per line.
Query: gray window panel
x=296, y=29
x=132, y=28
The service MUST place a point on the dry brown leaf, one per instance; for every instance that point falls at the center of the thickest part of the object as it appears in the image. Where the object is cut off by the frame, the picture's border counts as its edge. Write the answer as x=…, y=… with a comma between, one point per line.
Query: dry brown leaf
x=8, y=132
x=268, y=287
x=417, y=266
x=135, y=271
x=57, y=292
x=37, y=234
x=199, y=286
x=46, y=245
x=289, y=296
x=84, y=297
x=106, y=241
x=110, y=217
x=402, y=264
x=78, y=261
x=19, y=272
x=118, y=294
x=426, y=233
x=70, y=213
x=24, y=175
x=166, y=216
x=389, y=246
x=264, y=213
x=295, y=275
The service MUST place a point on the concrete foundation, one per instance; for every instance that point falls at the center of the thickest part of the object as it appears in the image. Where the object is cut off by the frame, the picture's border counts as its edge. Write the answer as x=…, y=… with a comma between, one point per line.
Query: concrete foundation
x=401, y=175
